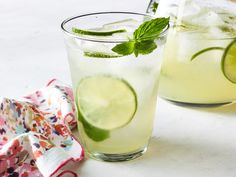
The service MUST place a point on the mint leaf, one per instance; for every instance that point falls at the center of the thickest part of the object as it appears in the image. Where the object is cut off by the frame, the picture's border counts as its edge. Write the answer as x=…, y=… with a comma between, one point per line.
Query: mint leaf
x=151, y=29
x=144, y=47
x=154, y=7
x=125, y=48
x=143, y=41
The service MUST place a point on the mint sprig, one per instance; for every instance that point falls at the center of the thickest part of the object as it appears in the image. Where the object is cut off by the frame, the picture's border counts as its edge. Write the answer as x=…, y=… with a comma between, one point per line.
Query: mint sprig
x=143, y=41
x=154, y=7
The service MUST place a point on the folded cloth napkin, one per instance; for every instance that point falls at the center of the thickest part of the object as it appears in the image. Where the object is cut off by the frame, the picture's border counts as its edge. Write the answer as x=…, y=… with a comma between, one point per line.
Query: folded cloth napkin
x=35, y=136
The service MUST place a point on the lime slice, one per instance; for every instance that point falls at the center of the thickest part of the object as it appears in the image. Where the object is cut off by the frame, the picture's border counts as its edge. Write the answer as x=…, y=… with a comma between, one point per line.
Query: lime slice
x=94, y=133
x=228, y=62
x=205, y=50
x=100, y=55
x=105, y=103
x=97, y=33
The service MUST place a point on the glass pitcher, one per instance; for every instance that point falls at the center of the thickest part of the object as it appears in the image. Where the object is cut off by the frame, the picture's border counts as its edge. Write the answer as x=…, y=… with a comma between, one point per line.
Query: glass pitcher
x=199, y=65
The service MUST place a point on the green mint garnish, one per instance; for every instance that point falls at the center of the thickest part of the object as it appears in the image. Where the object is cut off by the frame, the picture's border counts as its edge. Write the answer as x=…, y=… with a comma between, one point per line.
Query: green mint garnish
x=154, y=7
x=143, y=41
x=205, y=50
x=151, y=29
x=125, y=48
x=97, y=33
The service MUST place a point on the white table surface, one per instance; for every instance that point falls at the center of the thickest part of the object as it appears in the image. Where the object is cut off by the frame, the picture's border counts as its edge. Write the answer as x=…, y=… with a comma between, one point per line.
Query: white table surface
x=187, y=142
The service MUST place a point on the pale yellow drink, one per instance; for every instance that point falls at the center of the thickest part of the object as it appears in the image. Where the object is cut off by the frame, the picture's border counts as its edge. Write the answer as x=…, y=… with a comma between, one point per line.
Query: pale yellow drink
x=115, y=94
x=142, y=75
x=199, y=81
x=197, y=25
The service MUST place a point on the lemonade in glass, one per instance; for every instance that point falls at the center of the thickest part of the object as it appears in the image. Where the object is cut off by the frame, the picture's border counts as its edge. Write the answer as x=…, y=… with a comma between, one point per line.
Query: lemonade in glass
x=115, y=62
x=199, y=64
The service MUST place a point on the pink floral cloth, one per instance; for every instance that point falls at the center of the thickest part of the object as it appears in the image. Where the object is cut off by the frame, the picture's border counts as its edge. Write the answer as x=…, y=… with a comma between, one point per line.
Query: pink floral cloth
x=35, y=136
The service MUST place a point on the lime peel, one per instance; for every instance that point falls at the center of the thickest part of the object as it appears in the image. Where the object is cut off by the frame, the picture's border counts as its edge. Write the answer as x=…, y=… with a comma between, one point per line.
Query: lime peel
x=100, y=55
x=97, y=33
x=228, y=62
x=205, y=50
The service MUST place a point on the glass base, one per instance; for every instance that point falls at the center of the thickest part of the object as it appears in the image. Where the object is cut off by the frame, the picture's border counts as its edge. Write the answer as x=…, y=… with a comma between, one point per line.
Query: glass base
x=203, y=105
x=117, y=157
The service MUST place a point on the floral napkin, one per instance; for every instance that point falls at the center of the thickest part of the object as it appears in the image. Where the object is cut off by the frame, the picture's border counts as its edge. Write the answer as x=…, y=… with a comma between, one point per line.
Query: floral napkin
x=35, y=136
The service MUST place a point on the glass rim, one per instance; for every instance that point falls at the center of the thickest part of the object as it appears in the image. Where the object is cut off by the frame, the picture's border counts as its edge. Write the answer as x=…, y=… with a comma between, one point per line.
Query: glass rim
x=69, y=33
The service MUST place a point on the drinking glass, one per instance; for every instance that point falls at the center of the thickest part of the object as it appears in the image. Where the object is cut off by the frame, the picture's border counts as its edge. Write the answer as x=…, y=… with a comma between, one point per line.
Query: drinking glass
x=115, y=95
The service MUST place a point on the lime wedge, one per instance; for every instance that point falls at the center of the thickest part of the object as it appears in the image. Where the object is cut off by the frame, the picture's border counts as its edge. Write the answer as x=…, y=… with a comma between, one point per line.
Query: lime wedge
x=228, y=62
x=105, y=103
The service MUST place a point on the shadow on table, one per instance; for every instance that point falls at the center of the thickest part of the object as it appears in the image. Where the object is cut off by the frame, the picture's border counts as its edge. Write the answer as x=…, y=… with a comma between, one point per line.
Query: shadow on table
x=227, y=108
x=160, y=148
x=172, y=156
x=169, y=158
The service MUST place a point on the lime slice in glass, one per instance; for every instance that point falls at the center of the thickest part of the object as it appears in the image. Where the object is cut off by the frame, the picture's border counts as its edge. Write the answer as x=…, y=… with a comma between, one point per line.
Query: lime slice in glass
x=105, y=102
x=100, y=55
x=228, y=62
x=97, y=33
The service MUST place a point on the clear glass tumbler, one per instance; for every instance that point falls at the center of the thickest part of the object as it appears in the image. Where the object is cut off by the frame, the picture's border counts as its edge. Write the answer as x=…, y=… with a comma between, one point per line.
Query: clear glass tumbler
x=115, y=95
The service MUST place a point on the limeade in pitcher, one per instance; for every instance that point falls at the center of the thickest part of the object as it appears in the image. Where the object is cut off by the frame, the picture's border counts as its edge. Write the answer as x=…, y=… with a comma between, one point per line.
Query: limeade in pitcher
x=199, y=64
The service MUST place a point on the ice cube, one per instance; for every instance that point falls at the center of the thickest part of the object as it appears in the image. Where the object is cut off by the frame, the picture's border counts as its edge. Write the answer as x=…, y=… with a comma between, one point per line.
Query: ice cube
x=191, y=9
x=196, y=14
x=103, y=44
x=95, y=47
x=129, y=24
x=167, y=9
x=123, y=36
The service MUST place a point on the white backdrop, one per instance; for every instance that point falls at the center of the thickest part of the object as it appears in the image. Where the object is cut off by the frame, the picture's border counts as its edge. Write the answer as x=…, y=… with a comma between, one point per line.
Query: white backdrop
x=31, y=43
x=186, y=142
